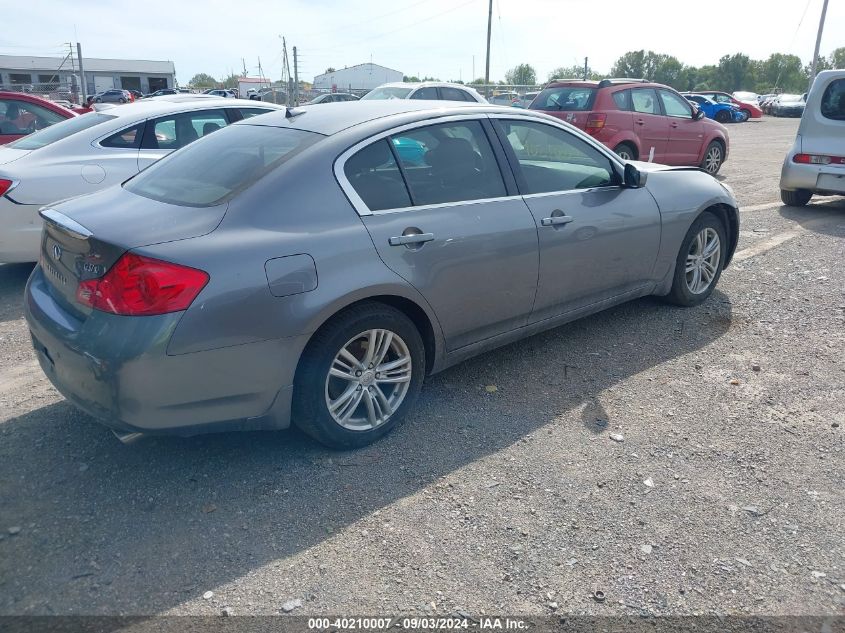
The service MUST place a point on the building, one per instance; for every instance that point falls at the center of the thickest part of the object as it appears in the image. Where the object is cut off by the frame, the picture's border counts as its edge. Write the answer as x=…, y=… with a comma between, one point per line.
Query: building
x=56, y=74
x=360, y=77
x=245, y=84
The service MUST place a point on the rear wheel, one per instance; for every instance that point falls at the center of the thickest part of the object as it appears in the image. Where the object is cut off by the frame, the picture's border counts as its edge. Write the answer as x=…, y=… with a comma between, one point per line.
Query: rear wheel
x=625, y=151
x=700, y=261
x=359, y=376
x=797, y=198
x=713, y=158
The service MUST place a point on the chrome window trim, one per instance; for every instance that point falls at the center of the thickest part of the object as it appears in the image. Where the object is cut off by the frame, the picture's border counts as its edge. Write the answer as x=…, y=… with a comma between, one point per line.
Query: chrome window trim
x=340, y=163
x=443, y=205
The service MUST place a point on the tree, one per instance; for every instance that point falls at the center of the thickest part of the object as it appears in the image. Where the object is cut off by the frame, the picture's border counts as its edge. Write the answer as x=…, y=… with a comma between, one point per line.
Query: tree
x=736, y=72
x=478, y=82
x=837, y=58
x=521, y=75
x=231, y=81
x=782, y=72
x=329, y=70
x=202, y=80
x=574, y=72
x=649, y=65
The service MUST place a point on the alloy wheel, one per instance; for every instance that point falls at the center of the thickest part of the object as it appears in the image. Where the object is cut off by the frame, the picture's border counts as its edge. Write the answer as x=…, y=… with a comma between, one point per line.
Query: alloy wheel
x=703, y=260
x=368, y=379
x=713, y=159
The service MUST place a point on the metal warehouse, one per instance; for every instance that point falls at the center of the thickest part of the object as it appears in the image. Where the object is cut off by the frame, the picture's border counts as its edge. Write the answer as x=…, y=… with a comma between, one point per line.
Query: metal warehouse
x=360, y=77
x=19, y=72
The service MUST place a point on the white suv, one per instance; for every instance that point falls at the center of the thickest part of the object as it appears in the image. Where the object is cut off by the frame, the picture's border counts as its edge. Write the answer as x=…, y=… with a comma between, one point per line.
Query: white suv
x=816, y=162
x=429, y=90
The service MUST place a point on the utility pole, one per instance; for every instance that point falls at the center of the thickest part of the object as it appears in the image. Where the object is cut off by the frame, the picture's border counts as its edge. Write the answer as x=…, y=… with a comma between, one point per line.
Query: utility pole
x=818, y=44
x=83, y=86
x=473, y=68
x=586, y=68
x=487, y=67
x=286, y=66
x=243, y=61
x=295, y=78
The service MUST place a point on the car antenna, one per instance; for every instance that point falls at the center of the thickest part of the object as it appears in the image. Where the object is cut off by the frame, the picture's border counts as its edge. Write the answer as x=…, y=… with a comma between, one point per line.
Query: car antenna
x=290, y=113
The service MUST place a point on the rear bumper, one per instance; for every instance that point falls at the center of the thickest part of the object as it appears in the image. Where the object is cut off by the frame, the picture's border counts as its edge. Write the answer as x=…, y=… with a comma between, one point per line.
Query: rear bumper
x=20, y=232
x=117, y=369
x=815, y=178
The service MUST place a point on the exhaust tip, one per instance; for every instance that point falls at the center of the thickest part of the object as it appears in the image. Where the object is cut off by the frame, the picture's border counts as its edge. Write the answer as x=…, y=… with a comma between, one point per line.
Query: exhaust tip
x=128, y=438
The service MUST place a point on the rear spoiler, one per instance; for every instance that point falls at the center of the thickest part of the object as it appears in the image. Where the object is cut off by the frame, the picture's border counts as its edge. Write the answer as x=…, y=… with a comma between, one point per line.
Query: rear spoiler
x=65, y=224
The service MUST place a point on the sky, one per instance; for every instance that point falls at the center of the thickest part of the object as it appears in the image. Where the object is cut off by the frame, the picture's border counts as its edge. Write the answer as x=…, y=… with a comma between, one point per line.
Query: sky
x=439, y=38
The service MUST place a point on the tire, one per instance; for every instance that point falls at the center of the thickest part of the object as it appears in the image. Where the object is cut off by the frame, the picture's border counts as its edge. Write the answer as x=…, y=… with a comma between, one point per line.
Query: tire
x=626, y=151
x=98, y=100
x=714, y=156
x=122, y=100
x=684, y=290
x=798, y=198
x=314, y=387
x=746, y=114
x=723, y=116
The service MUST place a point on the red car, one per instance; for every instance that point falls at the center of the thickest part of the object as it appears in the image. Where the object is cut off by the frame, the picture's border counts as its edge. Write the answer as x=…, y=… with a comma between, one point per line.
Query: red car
x=753, y=111
x=22, y=114
x=638, y=120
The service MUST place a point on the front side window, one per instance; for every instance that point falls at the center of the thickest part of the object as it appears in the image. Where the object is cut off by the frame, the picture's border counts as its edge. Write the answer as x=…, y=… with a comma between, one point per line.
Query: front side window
x=213, y=171
x=718, y=98
x=833, y=100
x=177, y=130
x=429, y=92
x=61, y=130
x=376, y=178
x=552, y=159
x=450, y=162
x=454, y=94
x=675, y=106
x=388, y=92
x=644, y=101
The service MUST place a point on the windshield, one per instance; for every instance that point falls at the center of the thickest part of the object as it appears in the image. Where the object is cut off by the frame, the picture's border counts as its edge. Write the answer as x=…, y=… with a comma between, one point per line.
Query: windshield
x=790, y=98
x=216, y=167
x=388, y=92
x=565, y=98
x=61, y=130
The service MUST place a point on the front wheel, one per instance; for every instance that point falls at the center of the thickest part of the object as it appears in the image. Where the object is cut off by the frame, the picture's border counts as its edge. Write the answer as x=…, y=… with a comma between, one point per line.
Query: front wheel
x=714, y=156
x=723, y=116
x=797, y=198
x=359, y=376
x=746, y=114
x=699, y=263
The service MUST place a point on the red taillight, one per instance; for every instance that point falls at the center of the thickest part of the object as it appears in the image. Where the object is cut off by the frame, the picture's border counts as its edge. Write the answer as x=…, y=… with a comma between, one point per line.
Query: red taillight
x=818, y=159
x=5, y=185
x=142, y=286
x=595, y=123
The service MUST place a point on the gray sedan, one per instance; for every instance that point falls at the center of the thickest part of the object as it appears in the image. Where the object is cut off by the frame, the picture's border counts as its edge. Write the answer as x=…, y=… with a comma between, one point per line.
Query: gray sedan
x=312, y=266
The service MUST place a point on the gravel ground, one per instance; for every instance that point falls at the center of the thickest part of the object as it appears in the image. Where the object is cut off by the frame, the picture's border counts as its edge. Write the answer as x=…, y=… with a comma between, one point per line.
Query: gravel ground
x=725, y=495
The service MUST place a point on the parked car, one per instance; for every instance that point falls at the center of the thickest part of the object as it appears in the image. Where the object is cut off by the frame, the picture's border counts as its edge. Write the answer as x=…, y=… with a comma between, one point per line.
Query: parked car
x=22, y=114
x=744, y=96
x=430, y=90
x=526, y=99
x=90, y=152
x=332, y=97
x=816, y=163
x=163, y=92
x=789, y=105
x=114, y=96
x=187, y=300
x=638, y=120
x=721, y=112
x=221, y=92
x=504, y=98
x=766, y=101
x=751, y=108
x=136, y=94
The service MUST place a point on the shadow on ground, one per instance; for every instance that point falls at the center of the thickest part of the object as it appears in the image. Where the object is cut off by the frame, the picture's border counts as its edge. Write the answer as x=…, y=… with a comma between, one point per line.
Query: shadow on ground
x=814, y=217
x=12, y=282
x=108, y=528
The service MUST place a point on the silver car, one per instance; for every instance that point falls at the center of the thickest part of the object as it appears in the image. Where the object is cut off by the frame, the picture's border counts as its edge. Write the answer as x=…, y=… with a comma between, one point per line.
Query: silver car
x=312, y=266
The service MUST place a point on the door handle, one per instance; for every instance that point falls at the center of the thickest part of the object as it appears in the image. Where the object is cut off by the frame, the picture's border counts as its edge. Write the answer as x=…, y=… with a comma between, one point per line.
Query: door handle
x=639, y=122
x=556, y=220
x=413, y=238
x=674, y=124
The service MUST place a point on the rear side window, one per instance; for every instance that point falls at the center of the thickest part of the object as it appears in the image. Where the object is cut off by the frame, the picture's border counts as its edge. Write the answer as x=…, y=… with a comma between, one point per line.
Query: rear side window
x=644, y=100
x=376, y=178
x=569, y=99
x=177, y=130
x=451, y=162
x=429, y=92
x=833, y=100
x=60, y=130
x=622, y=99
x=129, y=138
x=454, y=94
x=210, y=172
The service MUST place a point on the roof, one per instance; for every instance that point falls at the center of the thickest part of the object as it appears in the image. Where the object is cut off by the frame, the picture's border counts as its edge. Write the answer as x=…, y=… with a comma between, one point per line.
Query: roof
x=253, y=80
x=338, y=70
x=331, y=118
x=154, y=106
x=91, y=64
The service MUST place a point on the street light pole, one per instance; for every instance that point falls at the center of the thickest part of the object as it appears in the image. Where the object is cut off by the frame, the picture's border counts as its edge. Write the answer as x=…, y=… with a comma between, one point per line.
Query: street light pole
x=818, y=44
x=487, y=68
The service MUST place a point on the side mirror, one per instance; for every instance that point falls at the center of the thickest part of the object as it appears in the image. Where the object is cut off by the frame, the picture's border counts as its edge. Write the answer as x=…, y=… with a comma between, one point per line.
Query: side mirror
x=634, y=178
x=699, y=114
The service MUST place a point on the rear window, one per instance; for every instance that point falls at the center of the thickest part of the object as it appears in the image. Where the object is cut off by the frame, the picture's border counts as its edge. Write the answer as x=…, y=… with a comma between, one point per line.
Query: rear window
x=388, y=93
x=60, y=130
x=569, y=99
x=214, y=169
x=833, y=100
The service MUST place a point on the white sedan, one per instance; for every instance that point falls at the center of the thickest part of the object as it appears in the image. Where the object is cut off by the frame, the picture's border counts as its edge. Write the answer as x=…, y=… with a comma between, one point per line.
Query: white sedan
x=96, y=150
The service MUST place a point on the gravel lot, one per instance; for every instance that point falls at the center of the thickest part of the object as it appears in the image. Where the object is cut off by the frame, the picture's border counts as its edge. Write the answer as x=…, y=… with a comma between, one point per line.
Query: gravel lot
x=726, y=495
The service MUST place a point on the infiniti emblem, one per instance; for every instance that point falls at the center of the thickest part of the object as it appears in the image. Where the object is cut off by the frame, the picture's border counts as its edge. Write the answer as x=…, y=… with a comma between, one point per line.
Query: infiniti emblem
x=57, y=251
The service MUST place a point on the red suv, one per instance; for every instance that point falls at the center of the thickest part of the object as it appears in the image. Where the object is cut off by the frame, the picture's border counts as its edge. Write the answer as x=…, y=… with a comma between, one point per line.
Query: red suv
x=638, y=120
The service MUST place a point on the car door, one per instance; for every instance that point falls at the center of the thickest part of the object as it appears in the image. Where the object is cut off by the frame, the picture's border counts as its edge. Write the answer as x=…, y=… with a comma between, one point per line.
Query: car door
x=686, y=135
x=598, y=239
x=164, y=134
x=650, y=125
x=444, y=221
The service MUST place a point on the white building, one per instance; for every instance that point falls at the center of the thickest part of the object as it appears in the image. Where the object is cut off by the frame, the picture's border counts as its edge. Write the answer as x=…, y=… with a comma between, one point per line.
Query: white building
x=360, y=77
